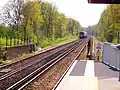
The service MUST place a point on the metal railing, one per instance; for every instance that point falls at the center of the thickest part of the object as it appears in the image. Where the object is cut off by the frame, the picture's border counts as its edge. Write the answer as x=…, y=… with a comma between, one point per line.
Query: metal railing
x=111, y=55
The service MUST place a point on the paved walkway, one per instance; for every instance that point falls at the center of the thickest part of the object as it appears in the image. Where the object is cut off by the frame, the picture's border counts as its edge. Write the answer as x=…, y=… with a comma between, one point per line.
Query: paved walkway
x=90, y=75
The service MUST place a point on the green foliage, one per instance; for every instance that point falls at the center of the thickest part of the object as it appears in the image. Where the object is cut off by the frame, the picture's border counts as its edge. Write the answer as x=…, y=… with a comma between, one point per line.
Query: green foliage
x=45, y=43
x=109, y=23
x=4, y=61
x=24, y=54
x=4, y=30
x=38, y=20
x=3, y=41
x=73, y=26
x=65, y=39
x=1, y=51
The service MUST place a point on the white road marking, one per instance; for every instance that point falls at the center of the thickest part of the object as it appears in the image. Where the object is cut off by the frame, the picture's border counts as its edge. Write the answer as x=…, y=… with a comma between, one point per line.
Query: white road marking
x=71, y=68
x=86, y=82
x=89, y=70
x=66, y=78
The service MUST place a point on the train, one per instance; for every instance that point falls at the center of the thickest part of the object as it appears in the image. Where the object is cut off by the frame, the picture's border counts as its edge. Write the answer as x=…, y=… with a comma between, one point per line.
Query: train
x=82, y=34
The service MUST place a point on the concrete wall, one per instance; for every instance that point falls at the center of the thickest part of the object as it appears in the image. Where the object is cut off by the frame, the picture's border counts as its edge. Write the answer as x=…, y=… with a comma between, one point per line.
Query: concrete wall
x=13, y=52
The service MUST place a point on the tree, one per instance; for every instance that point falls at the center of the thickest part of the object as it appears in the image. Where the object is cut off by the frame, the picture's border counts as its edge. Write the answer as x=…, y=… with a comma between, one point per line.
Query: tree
x=11, y=14
x=38, y=20
x=109, y=23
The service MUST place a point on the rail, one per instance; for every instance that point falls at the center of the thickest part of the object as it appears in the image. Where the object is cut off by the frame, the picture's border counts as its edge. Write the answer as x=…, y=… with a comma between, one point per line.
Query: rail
x=68, y=69
x=33, y=55
x=46, y=67
x=13, y=76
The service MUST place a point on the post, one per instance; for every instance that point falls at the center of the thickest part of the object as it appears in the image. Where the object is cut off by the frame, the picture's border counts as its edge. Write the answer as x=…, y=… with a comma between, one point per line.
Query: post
x=0, y=40
x=18, y=40
x=0, y=48
x=119, y=59
x=14, y=40
x=119, y=71
x=21, y=40
x=24, y=40
x=6, y=41
x=118, y=37
x=10, y=40
x=27, y=40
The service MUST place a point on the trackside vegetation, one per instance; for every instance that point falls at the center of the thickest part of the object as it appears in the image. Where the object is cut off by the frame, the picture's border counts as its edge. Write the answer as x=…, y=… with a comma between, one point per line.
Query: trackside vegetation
x=109, y=23
x=38, y=20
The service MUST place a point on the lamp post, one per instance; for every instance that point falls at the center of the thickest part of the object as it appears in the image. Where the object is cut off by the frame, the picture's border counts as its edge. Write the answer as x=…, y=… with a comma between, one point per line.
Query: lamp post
x=118, y=37
x=119, y=59
x=119, y=71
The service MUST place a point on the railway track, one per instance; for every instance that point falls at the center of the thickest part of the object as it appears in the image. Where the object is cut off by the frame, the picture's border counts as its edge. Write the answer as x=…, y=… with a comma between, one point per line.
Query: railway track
x=15, y=78
x=48, y=79
x=31, y=59
x=63, y=75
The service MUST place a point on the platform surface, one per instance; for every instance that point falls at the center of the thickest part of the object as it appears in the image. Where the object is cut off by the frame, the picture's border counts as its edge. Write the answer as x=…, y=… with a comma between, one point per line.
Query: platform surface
x=90, y=75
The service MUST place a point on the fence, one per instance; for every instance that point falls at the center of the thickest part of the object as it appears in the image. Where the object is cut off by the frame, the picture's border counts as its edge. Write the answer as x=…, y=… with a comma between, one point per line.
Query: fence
x=111, y=55
x=13, y=41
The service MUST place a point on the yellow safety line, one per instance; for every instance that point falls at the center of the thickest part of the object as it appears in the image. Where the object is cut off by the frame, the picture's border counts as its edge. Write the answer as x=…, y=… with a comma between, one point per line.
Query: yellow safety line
x=96, y=84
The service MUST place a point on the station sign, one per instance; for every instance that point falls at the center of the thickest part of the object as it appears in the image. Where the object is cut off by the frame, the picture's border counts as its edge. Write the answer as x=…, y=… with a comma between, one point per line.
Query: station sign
x=98, y=45
x=98, y=53
x=98, y=49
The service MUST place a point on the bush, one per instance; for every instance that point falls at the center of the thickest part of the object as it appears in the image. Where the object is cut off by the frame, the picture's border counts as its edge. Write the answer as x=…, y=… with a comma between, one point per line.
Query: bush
x=47, y=42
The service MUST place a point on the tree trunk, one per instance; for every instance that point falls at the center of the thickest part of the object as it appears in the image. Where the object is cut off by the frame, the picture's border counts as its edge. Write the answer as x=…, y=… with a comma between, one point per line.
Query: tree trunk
x=109, y=38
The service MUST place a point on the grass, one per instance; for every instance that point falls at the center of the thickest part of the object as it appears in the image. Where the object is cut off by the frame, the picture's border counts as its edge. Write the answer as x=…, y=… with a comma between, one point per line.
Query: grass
x=47, y=42
x=3, y=62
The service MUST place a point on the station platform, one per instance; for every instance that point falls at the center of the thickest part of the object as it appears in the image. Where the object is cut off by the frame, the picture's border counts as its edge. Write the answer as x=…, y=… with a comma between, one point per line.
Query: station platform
x=89, y=75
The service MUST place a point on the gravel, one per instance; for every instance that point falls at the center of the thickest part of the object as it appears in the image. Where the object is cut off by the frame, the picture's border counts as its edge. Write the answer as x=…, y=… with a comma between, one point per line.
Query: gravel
x=48, y=80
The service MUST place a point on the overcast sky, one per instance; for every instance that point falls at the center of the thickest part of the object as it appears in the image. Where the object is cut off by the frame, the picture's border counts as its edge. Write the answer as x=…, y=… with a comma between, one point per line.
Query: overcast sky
x=86, y=14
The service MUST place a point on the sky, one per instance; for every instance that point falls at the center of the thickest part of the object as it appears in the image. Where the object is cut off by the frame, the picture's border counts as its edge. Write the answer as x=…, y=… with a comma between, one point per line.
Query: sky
x=86, y=14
